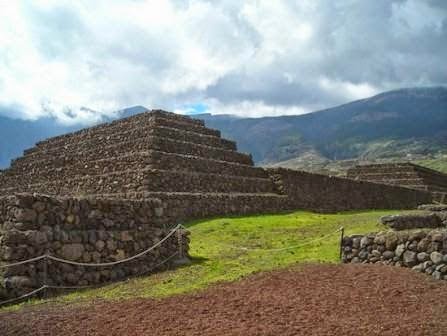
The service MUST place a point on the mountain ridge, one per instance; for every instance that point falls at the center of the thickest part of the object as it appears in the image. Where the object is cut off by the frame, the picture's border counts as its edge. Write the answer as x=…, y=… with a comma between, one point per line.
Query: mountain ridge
x=407, y=121
x=410, y=122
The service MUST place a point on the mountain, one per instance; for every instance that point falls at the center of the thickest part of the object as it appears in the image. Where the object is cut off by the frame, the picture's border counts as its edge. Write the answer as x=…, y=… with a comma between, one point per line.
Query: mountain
x=407, y=123
x=395, y=125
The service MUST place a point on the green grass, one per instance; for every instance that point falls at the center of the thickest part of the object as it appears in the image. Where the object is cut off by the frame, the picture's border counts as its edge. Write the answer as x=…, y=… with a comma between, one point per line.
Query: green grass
x=439, y=163
x=217, y=255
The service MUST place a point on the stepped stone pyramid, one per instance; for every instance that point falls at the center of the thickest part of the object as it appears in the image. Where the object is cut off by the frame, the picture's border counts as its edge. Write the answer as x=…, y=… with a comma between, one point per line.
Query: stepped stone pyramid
x=401, y=174
x=155, y=154
x=111, y=191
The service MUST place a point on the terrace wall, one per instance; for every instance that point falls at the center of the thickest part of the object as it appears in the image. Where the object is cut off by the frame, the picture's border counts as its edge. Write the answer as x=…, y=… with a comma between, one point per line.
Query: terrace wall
x=331, y=194
x=80, y=230
x=422, y=250
x=402, y=174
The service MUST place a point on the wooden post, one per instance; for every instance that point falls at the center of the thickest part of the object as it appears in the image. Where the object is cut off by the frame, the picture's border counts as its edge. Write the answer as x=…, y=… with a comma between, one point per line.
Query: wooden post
x=45, y=275
x=180, y=242
x=342, y=229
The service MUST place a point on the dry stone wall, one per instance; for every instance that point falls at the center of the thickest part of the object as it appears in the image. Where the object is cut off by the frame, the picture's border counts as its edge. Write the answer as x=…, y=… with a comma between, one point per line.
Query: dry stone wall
x=205, y=205
x=422, y=250
x=331, y=194
x=416, y=221
x=402, y=174
x=81, y=230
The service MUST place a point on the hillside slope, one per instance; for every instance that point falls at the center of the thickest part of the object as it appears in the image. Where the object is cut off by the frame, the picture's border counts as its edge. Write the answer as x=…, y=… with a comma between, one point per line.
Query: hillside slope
x=401, y=124
x=396, y=123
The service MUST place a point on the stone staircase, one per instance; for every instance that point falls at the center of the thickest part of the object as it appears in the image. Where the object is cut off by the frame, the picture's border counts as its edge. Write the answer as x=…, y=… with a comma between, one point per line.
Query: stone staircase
x=154, y=154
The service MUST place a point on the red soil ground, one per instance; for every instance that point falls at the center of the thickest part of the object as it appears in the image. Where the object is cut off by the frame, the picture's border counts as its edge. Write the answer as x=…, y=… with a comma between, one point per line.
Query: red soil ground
x=310, y=300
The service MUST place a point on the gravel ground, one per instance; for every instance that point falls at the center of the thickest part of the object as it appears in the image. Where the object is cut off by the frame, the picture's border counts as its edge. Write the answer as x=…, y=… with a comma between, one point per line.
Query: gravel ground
x=308, y=300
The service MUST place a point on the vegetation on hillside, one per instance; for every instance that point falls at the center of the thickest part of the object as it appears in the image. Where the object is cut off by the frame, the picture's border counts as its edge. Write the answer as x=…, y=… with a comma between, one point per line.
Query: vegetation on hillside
x=314, y=163
x=439, y=163
x=227, y=249
x=393, y=124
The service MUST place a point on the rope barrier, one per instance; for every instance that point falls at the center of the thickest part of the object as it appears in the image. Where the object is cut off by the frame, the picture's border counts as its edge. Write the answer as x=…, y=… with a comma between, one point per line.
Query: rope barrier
x=46, y=256
x=34, y=292
x=24, y=296
x=175, y=229
x=284, y=248
x=119, y=261
x=24, y=262
x=116, y=282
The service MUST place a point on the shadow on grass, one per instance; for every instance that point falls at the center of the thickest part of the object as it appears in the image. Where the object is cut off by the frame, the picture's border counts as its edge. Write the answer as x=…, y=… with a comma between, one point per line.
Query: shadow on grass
x=197, y=260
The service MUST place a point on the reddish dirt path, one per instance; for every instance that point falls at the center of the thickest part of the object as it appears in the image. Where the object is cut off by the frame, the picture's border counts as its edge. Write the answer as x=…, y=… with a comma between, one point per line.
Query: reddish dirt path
x=311, y=300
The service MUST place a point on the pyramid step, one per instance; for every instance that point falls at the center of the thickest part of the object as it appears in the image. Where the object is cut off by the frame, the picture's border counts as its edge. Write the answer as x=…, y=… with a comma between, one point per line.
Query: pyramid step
x=384, y=176
x=436, y=180
x=432, y=188
x=174, y=161
x=129, y=181
x=72, y=155
x=42, y=172
x=145, y=180
x=39, y=173
x=402, y=182
x=169, y=181
x=184, y=206
x=144, y=120
x=135, y=133
x=379, y=169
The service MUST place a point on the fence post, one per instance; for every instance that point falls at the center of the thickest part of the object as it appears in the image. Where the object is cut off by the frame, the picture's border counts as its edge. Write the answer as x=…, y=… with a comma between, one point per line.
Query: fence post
x=45, y=274
x=180, y=242
x=342, y=229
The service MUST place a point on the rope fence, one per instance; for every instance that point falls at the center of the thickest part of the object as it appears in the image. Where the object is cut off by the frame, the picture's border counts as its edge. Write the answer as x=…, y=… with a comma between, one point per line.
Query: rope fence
x=47, y=257
x=24, y=262
x=24, y=296
x=117, y=282
x=179, y=253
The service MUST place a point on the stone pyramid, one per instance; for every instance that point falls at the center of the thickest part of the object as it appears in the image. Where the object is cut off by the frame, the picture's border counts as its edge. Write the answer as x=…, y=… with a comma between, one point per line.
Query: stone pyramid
x=403, y=174
x=155, y=154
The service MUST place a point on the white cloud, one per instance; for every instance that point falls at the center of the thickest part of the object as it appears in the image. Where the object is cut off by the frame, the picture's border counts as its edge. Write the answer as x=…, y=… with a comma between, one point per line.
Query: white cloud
x=252, y=58
x=347, y=89
x=252, y=109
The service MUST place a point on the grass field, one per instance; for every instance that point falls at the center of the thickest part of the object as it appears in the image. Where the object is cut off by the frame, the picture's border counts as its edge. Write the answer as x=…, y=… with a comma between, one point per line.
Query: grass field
x=227, y=249
x=439, y=163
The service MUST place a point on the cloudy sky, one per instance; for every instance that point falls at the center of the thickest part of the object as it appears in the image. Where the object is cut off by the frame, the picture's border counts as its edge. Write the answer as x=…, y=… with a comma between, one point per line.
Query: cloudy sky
x=252, y=58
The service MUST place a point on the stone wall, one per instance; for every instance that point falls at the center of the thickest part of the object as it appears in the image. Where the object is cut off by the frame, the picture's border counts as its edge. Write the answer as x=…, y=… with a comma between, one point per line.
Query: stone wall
x=402, y=174
x=423, y=220
x=422, y=250
x=81, y=230
x=203, y=205
x=331, y=194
